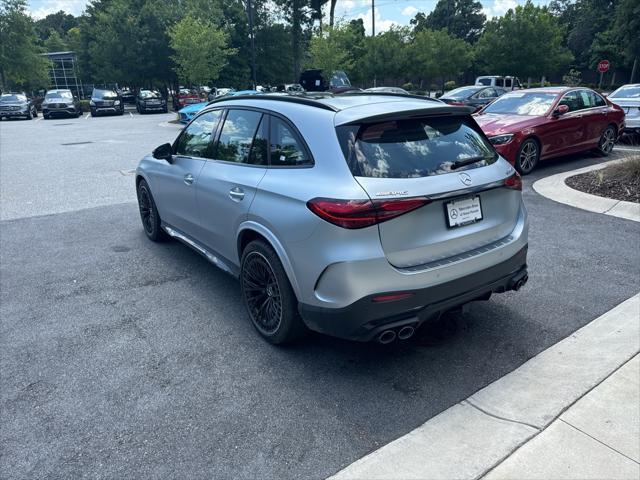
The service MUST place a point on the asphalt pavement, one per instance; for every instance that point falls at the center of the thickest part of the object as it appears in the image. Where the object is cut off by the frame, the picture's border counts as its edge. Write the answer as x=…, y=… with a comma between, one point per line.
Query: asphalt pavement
x=124, y=358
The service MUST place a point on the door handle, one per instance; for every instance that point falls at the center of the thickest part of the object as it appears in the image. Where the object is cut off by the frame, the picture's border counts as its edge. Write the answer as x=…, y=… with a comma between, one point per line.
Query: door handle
x=188, y=179
x=236, y=194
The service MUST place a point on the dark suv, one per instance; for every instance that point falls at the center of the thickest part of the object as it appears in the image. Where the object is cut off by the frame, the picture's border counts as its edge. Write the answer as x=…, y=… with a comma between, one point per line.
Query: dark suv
x=60, y=102
x=106, y=101
x=17, y=105
x=150, y=101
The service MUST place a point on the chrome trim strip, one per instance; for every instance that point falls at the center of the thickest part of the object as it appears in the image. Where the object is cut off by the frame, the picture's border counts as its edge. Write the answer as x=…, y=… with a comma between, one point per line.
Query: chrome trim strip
x=197, y=247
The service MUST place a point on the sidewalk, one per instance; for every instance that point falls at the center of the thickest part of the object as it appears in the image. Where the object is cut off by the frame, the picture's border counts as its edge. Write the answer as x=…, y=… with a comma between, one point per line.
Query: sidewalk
x=598, y=437
x=571, y=412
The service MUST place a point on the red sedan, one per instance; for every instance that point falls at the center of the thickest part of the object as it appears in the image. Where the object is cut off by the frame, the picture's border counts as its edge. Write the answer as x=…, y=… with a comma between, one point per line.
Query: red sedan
x=526, y=126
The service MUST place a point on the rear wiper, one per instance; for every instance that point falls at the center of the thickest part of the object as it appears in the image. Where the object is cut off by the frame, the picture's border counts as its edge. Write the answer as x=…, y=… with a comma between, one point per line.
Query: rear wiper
x=468, y=161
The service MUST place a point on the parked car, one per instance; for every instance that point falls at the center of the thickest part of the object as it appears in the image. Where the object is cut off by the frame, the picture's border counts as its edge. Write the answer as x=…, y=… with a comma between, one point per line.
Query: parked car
x=150, y=101
x=184, y=97
x=105, y=101
x=60, y=102
x=508, y=83
x=357, y=216
x=187, y=113
x=530, y=125
x=127, y=96
x=17, y=105
x=317, y=81
x=474, y=96
x=628, y=98
x=397, y=90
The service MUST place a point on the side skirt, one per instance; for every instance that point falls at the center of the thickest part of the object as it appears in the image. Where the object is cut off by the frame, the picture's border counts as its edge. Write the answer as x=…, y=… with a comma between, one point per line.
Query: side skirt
x=212, y=257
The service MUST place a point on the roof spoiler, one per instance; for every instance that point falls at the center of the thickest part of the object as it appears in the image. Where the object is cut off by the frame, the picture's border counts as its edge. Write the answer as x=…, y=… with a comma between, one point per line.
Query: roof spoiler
x=430, y=111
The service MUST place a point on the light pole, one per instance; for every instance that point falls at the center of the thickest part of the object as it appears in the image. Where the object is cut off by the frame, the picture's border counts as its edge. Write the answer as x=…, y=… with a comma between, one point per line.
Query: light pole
x=373, y=38
x=253, y=44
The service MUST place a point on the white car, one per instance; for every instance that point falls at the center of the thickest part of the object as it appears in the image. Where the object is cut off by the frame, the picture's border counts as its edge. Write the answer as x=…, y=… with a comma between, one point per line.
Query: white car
x=508, y=83
x=627, y=97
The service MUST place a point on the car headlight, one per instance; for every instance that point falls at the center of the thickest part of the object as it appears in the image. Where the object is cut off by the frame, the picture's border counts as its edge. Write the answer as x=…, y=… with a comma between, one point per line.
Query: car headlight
x=501, y=139
x=117, y=102
x=92, y=103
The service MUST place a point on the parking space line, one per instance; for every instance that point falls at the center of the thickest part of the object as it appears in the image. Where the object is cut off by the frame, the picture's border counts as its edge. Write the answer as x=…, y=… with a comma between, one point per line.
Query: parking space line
x=38, y=119
x=627, y=149
x=131, y=114
x=88, y=115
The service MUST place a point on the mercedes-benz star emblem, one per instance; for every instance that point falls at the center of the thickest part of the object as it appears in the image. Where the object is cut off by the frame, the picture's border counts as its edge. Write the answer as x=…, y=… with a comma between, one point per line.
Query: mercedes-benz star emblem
x=465, y=178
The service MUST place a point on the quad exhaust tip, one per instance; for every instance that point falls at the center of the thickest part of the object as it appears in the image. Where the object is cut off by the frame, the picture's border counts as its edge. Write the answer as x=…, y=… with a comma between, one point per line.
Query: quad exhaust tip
x=386, y=337
x=406, y=332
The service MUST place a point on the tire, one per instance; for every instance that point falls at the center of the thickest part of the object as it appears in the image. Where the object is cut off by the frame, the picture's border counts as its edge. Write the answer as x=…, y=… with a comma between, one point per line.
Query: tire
x=94, y=113
x=35, y=113
x=268, y=297
x=45, y=116
x=607, y=141
x=528, y=156
x=151, y=223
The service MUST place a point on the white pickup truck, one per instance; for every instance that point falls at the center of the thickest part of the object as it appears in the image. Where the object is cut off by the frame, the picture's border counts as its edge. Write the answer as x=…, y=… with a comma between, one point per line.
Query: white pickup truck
x=508, y=83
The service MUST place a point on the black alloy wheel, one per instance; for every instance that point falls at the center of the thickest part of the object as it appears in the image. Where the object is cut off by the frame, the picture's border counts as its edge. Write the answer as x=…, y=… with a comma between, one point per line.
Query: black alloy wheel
x=149, y=216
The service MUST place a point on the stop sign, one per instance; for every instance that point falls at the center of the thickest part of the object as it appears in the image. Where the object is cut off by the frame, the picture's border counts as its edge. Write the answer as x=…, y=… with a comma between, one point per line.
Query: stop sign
x=603, y=66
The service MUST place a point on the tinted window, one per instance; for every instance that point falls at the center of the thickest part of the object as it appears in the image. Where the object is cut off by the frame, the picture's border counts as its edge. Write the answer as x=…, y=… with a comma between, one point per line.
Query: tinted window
x=521, y=103
x=572, y=100
x=195, y=141
x=413, y=147
x=237, y=135
x=598, y=101
x=484, y=81
x=499, y=82
x=286, y=148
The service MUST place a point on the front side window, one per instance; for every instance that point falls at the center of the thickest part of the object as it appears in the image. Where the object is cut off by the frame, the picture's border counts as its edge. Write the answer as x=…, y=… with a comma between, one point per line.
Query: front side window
x=414, y=147
x=196, y=139
x=572, y=100
x=237, y=135
x=286, y=148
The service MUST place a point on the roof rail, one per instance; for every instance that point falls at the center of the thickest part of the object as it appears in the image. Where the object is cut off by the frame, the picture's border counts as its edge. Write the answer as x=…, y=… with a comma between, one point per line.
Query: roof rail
x=303, y=99
x=390, y=94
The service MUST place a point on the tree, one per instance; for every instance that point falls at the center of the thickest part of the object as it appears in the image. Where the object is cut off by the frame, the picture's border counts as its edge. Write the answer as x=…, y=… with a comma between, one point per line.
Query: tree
x=328, y=51
x=437, y=54
x=200, y=48
x=461, y=18
x=60, y=21
x=21, y=63
x=526, y=42
x=55, y=42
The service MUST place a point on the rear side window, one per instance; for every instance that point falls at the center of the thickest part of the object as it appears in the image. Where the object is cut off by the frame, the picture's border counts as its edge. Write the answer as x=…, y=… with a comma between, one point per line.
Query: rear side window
x=237, y=135
x=414, y=147
x=286, y=147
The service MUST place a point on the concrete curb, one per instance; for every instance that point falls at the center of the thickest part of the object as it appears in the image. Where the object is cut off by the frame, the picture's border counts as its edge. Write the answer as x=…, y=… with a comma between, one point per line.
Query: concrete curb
x=471, y=438
x=555, y=188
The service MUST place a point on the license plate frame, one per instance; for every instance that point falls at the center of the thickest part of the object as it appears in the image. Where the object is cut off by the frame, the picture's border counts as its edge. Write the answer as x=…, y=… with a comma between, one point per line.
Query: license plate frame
x=463, y=211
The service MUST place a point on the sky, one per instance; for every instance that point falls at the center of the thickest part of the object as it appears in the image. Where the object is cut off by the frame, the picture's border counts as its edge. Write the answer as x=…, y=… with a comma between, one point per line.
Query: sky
x=388, y=12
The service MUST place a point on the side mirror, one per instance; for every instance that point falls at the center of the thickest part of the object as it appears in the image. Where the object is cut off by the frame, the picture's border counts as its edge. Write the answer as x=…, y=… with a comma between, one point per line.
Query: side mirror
x=561, y=110
x=163, y=152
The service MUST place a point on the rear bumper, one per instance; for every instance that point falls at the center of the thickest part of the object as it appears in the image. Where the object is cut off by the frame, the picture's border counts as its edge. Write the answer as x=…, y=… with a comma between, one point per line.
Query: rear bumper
x=364, y=319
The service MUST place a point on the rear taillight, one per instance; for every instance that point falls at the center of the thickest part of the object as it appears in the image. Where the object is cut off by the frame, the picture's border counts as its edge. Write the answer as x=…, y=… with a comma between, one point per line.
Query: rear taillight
x=514, y=182
x=363, y=213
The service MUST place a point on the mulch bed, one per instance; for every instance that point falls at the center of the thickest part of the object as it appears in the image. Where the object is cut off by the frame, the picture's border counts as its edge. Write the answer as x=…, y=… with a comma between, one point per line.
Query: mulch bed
x=620, y=181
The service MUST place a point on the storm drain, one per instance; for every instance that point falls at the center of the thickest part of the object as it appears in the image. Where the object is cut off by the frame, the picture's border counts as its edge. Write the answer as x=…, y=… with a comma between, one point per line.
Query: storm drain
x=75, y=143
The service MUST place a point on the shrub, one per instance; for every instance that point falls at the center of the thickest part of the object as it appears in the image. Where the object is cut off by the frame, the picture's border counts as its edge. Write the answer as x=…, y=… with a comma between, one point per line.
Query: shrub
x=408, y=86
x=450, y=85
x=84, y=105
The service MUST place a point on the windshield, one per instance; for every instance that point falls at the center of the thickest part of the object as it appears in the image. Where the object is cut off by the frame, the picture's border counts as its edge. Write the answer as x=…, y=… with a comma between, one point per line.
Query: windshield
x=462, y=92
x=187, y=91
x=13, y=98
x=106, y=94
x=627, y=92
x=340, y=79
x=413, y=147
x=64, y=95
x=149, y=94
x=533, y=104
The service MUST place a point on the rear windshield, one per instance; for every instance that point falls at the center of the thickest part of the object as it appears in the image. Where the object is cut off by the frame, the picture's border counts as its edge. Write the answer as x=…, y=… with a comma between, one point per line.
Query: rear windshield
x=462, y=92
x=414, y=147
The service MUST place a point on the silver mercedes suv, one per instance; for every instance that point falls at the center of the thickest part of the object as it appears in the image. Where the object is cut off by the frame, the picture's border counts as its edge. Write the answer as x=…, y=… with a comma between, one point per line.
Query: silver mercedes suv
x=360, y=215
